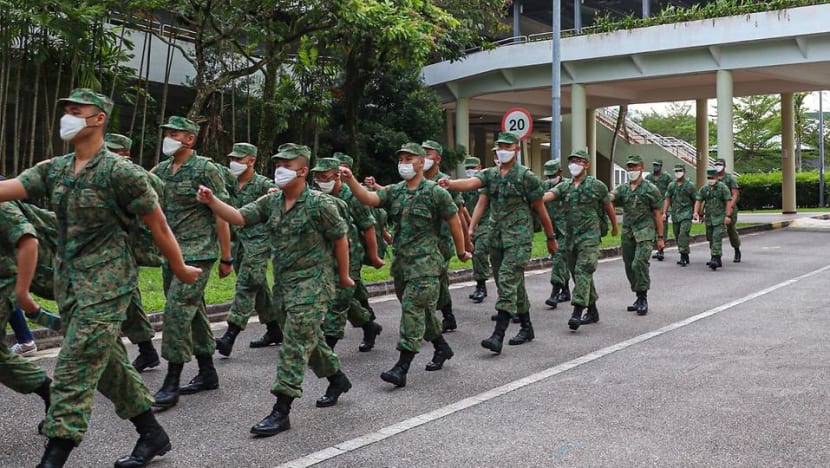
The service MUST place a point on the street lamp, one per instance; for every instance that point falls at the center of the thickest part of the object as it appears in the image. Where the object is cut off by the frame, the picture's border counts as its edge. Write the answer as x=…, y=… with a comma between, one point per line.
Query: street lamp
x=556, y=84
x=821, y=149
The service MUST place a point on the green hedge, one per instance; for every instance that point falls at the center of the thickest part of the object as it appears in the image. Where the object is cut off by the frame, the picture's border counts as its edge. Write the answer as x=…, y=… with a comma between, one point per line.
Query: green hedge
x=763, y=191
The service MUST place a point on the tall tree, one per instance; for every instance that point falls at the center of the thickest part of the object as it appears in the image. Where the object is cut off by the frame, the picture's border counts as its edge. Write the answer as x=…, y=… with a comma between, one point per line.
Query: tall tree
x=757, y=121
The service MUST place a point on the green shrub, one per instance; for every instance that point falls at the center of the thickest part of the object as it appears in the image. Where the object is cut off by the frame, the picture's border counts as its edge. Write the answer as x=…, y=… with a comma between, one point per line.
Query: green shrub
x=763, y=190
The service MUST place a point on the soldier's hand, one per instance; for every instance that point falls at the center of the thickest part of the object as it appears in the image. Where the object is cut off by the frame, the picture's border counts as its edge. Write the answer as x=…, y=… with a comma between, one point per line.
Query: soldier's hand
x=225, y=270
x=369, y=182
x=204, y=195
x=26, y=302
x=387, y=237
x=444, y=183
x=615, y=231
x=188, y=275
x=661, y=244
x=469, y=245
x=377, y=262
x=727, y=221
x=346, y=173
x=696, y=218
x=346, y=282
x=274, y=189
x=553, y=246
x=465, y=256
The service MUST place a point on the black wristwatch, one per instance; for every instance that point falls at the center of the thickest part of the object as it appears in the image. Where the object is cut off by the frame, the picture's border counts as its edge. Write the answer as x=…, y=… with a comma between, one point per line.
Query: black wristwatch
x=551, y=237
x=659, y=237
x=228, y=261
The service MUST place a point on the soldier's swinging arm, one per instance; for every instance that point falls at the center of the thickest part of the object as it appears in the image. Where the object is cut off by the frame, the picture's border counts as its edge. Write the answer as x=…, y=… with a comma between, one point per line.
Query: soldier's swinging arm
x=169, y=246
x=478, y=212
x=26, y=265
x=363, y=196
x=12, y=189
x=220, y=208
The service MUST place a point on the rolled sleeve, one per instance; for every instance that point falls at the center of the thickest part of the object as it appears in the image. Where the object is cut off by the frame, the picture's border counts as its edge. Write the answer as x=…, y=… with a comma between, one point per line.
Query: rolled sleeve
x=329, y=223
x=257, y=211
x=444, y=202
x=134, y=190
x=34, y=179
x=216, y=182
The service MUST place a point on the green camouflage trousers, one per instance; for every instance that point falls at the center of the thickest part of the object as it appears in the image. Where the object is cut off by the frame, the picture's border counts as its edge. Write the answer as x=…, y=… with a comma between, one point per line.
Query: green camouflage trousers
x=732, y=231
x=582, y=257
x=481, y=255
x=715, y=235
x=444, y=297
x=137, y=326
x=186, y=331
x=418, y=298
x=361, y=294
x=302, y=347
x=345, y=307
x=636, y=257
x=92, y=357
x=17, y=373
x=681, y=233
x=252, y=292
x=509, y=272
x=559, y=267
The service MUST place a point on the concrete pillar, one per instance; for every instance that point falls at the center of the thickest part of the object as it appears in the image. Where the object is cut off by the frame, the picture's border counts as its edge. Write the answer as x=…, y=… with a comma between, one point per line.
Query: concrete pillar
x=646, y=8
x=517, y=14
x=578, y=111
x=726, y=142
x=788, y=202
x=535, y=160
x=449, y=128
x=702, y=140
x=591, y=138
x=578, y=15
x=480, y=147
x=462, y=128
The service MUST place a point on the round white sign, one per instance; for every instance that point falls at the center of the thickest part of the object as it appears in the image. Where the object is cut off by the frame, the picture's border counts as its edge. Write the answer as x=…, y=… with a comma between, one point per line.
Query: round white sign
x=517, y=120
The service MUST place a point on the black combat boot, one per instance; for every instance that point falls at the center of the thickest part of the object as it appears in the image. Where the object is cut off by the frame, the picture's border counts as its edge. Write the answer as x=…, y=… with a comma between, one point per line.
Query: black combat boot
x=480, y=293
x=591, y=315
x=152, y=442
x=737, y=258
x=56, y=453
x=554, y=294
x=684, y=259
x=147, y=357
x=443, y=352
x=397, y=374
x=715, y=262
x=496, y=340
x=273, y=335
x=576, y=317
x=43, y=392
x=331, y=341
x=277, y=421
x=168, y=394
x=224, y=344
x=371, y=330
x=338, y=385
x=206, y=379
x=564, y=294
x=659, y=255
x=448, y=324
x=525, y=332
x=642, y=307
x=636, y=305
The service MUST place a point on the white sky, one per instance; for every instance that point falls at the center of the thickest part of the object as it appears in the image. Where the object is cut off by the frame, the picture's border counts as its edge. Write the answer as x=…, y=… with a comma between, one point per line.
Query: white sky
x=811, y=104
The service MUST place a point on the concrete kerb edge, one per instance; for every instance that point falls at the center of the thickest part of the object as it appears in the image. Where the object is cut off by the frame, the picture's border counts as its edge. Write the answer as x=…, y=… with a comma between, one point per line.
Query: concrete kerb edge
x=218, y=312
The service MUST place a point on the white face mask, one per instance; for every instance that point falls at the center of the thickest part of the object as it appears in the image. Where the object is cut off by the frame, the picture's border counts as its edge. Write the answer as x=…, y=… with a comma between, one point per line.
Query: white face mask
x=719, y=167
x=283, y=176
x=237, y=168
x=575, y=169
x=428, y=163
x=505, y=156
x=470, y=172
x=711, y=181
x=634, y=175
x=326, y=187
x=406, y=171
x=169, y=146
x=679, y=174
x=555, y=180
x=71, y=126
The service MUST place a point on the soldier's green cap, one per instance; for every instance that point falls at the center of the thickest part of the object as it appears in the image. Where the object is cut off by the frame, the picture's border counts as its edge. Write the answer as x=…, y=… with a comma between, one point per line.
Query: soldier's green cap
x=412, y=148
x=507, y=138
x=551, y=168
x=176, y=122
x=89, y=97
x=679, y=167
x=243, y=150
x=326, y=164
x=433, y=145
x=580, y=154
x=344, y=159
x=711, y=173
x=634, y=159
x=116, y=141
x=472, y=161
x=292, y=151
x=658, y=162
x=722, y=161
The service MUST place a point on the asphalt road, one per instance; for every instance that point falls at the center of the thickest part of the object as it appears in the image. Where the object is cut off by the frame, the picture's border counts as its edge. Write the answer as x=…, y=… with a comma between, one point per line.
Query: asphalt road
x=729, y=368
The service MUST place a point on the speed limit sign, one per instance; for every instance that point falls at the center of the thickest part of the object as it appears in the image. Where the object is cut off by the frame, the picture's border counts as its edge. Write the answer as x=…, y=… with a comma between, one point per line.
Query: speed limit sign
x=517, y=120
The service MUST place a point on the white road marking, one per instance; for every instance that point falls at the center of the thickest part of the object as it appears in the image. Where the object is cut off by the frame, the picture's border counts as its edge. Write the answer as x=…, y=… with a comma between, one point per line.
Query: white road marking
x=422, y=419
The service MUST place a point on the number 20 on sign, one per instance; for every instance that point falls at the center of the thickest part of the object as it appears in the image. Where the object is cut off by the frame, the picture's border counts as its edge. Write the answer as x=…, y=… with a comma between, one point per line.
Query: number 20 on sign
x=517, y=120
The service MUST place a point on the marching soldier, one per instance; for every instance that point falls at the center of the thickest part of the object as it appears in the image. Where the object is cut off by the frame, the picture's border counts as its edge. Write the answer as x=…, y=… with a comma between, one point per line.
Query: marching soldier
x=680, y=202
x=559, y=276
x=662, y=181
x=715, y=200
x=731, y=183
x=481, y=249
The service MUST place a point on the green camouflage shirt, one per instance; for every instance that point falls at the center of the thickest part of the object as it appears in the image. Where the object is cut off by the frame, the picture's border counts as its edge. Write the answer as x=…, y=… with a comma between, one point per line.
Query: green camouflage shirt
x=446, y=235
x=583, y=205
x=682, y=199
x=362, y=219
x=661, y=182
x=638, y=209
x=511, y=216
x=93, y=263
x=556, y=209
x=470, y=201
x=13, y=226
x=417, y=216
x=714, y=200
x=301, y=239
x=731, y=183
x=253, y=236
x=193, y=223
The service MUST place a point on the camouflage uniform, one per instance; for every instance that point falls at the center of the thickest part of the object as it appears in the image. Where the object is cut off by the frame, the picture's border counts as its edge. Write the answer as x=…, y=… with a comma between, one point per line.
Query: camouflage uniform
x=186, y=330
x=304, y=280
x=714, y=198
x=639, y=230
x=682, y=197
x=662, y=182
x=17, y=373
x=731, y=183
x=556, y=212
x=446, y=247
x=95, y=278
x=481, y=246
x=417, y=216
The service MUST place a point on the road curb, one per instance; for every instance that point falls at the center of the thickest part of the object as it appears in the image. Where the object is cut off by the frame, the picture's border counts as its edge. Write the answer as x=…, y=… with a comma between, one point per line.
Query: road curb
x=218, y=312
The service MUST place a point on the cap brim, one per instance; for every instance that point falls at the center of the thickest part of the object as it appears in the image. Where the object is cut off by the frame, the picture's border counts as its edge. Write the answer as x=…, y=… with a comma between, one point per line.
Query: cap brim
x=407, y=152
x=115, y=146
x=76, y=101
x=234, y=154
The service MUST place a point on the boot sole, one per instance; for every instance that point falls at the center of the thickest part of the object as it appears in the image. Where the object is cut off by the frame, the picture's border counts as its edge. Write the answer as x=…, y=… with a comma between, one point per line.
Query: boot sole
x=551, y=303
x=162, y=452
x=268, y=433
x=431, y=366
x=491, y=348
x=630, y=308
x=364, y=347
x=333, y=402
x=186, y=391
x=513, y=342
x=143, y=368
x=392, y=381
x=574, y=324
